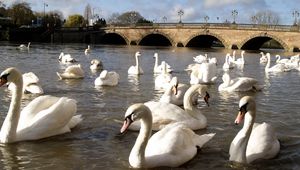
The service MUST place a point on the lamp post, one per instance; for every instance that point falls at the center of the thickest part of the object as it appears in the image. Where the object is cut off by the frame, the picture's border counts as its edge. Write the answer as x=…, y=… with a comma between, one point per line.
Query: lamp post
x=206, y=18
x=180, y=13
x=234, y=13
x=45, y=5
x=164, y=19
x=132, y=15
x=295, y=15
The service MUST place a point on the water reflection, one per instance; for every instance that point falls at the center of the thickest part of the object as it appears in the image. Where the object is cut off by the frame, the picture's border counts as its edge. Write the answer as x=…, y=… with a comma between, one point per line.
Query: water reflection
x=134, y=82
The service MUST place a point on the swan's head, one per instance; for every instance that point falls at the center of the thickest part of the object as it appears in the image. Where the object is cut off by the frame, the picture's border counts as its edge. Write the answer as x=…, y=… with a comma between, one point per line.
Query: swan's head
x=202, y=91
x=137, y=54
x=174, y=84
x=135, y=112
x=10, y=75
x=246, y=103
x=60, y=56
x=277, y=56
x=155, y=55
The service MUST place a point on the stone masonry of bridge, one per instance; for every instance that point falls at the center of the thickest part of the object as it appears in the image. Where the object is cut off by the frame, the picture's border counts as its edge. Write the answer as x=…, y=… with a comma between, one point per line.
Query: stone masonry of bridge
x=230, y=36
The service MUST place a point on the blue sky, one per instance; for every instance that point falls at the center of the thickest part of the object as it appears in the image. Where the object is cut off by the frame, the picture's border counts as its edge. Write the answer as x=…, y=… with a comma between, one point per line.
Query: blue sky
x=155, y=10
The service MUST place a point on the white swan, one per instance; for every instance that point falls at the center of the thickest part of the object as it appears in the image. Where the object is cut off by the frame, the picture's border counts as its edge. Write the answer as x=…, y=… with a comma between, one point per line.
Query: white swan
x=66, y=58
x=281, y=61
x=201, y=58
x=238, y=84
x=167, y=113
x=227, y=64
x=263, y=58
x=107, y=78
x=88, y=50
x=170, y=147
x=96, y=65
x=240, y=61
x=174, y=93
x=24, y=47
x=72, y=72
x=205, y=73
x=136, y=70
x=43, y=117
x=31, y=84
x=276, y=68
x=158, y=68
x=163, y=79
x=254, y=140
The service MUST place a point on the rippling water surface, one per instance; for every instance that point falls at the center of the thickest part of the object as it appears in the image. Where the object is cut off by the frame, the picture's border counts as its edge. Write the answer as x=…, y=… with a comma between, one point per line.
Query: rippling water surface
x=95, y=143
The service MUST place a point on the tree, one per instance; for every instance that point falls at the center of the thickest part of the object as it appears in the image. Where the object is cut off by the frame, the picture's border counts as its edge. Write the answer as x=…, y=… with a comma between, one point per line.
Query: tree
x=131, y=17
x=21, y=14
x=265, y=18
x=88, y=14
x=51, y=19
x=75, y=21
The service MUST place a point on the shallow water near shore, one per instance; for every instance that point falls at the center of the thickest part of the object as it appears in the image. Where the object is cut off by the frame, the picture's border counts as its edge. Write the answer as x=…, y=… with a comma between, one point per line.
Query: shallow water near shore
x=95, y=143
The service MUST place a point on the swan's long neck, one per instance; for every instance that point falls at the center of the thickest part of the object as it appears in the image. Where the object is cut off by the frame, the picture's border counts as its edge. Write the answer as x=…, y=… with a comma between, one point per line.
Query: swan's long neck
x=136, y=60
x=10, y=124
x=137, y=154
x=156, y=63
x=268, y=63
x=238, y=152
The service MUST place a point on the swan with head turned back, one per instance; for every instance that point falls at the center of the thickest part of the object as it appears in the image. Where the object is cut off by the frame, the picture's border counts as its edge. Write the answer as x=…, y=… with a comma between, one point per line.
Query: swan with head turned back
x=174, y=93
x=238, y=84
x=136, y=70
x=66, y=58
x=255, y=140
x=167, y=113
x=43, y=117
x=172, y=146
x=72, y=72
x=96, y=65
x=24, y=47
x=158, y=68
x=106, y=78
x=276, y=68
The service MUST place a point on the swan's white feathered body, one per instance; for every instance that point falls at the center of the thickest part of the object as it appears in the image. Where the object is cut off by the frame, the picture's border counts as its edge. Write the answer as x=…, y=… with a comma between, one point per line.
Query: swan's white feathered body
x=254, y=141
x=72, y=72
x=31, y=84
x=24, y=47
x=106, y=78
x=167, y=113
x=238, y=84
x=43, y=117
x=228, y=62
x=66, y=58
x=276, y=68
x=170, y=147
x=88, y=50
x=164, y=78
x=205, y=73
x=136, y=70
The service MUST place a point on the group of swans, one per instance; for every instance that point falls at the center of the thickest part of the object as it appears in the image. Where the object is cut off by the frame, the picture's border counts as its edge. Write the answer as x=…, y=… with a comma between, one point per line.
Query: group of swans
x=231, y=61
x=275, y=68
x=43, y=117
x=204, y=73
x=157, y=69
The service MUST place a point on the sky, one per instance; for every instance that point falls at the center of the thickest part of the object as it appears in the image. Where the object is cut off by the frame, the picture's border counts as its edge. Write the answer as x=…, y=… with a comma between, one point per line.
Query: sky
x=155, y=10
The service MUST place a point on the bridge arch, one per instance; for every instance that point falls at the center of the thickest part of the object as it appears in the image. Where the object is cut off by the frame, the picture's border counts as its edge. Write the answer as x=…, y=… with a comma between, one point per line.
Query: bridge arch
x=151, y=38
x=209, y=38
x=255, y=41
x=112, y=37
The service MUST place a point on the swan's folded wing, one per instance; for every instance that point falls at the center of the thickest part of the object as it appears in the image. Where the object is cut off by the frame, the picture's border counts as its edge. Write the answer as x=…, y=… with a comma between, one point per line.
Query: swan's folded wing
x=74, y=69
x=29, y=78
x=50, y=121
x=244, y=84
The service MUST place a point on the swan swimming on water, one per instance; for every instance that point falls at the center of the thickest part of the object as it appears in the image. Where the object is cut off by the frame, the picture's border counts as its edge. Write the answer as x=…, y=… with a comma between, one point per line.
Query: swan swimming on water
x=106, y=78
x=172, y=146
x=24, y=47
x=254, y=140
x=72, y=72
x=31, y=84
x=158, y=68
x=43, y=117
x=136, y=70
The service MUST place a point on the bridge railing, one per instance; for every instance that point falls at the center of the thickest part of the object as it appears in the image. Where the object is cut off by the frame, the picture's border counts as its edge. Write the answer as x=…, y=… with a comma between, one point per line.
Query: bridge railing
x=264, y=27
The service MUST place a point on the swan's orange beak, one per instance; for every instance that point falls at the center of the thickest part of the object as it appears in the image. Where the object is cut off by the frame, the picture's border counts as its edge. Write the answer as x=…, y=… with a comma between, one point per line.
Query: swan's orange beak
x=239, y=118
x=175, y=90
x=126, y=124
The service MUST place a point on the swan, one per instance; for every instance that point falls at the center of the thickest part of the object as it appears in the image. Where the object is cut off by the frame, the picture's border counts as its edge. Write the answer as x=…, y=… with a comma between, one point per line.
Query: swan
x=238, y=84
x=163, y=79
x=174, y=93
x=281, y=61
x=254, y=140
x=167, y=113
x=201, y=58
x=276, y=68
x=240, y=61
x=96, y=65
x=72, y=72
x=172, y=146
x=88, y=50
x=158, y=68
x=31, y=84
x=205, y=73
x=136, y=70
x=24, y=47
x=45, y=116
x=107, y=78
x=227, y=64
x=263, y=58
x=231, y=58
x=66, y=58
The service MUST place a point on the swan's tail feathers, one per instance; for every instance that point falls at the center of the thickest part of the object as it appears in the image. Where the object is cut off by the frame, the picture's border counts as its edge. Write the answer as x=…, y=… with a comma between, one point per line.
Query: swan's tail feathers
x=203, y=139
x=74, y=121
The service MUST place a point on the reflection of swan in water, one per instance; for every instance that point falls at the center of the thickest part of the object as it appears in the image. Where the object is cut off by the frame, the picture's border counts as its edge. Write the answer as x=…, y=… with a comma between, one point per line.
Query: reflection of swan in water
x=134, y=82
x=172, y=146
x=254, y=140
x=43, y=117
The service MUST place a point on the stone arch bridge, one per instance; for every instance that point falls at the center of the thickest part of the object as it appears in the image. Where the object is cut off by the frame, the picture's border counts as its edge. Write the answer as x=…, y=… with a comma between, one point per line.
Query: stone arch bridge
x=229, y=36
